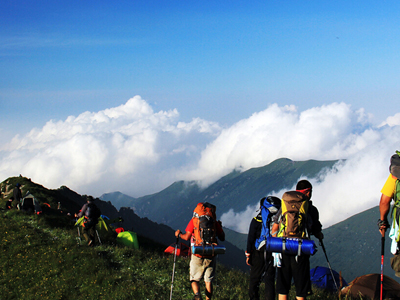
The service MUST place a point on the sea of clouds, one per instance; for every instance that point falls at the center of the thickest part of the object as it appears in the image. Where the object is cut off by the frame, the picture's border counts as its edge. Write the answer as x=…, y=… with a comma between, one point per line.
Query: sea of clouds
x=135, y=150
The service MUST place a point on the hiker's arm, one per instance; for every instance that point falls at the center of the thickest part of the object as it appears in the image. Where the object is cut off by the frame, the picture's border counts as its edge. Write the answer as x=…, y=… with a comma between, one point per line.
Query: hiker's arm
x=251, y=239
x=384, y=207
x=186, y=236
x=82, y=212
x=220, y=232
x=316, y=226
x=274, y=230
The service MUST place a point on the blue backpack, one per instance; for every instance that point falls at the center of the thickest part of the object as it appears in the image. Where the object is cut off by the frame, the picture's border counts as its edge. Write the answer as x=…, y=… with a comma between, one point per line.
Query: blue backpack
x=269, y=207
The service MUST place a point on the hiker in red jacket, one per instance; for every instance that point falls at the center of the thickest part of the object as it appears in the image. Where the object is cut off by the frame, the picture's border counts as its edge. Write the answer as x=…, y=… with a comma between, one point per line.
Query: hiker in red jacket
x=201, y=266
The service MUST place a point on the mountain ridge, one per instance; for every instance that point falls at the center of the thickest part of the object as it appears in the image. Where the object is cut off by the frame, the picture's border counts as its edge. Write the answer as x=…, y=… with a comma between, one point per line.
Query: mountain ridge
x=174, y=205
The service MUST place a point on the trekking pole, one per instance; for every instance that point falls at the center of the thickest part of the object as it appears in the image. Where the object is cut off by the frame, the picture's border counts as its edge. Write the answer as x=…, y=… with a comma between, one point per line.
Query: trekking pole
x=79, y=236
x=98, y=236
x=329, y=265
x=173, y=269
x=382, y=259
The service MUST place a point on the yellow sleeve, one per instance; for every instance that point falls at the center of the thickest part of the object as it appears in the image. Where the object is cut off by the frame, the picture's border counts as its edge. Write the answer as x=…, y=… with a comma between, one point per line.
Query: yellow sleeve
x=389, y=187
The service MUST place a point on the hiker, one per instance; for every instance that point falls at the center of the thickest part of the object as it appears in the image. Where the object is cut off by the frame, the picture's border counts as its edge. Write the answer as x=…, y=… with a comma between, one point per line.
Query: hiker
x=259, y=260
x=9, y=203
x=296, y=266
x=202, y=266
x=391, y=190
x=17, y=194
x=92, y=215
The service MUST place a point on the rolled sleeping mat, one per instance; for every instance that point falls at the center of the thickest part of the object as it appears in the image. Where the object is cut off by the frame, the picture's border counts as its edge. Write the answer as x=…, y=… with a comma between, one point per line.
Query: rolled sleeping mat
x=293, y=246
x=208, y=250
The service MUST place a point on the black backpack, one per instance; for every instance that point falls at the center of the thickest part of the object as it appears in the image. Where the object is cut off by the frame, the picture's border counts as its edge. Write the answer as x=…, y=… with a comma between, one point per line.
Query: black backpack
x=92, y=211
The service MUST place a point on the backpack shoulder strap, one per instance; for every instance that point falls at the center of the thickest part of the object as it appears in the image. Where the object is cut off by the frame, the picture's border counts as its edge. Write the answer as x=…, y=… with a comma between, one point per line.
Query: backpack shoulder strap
x=396, y=206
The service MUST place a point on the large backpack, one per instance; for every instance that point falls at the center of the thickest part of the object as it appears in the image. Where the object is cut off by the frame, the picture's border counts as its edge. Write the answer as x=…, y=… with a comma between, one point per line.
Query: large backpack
x=204, y=222
x=293, y=222
x=269, y=207
x=92, y=212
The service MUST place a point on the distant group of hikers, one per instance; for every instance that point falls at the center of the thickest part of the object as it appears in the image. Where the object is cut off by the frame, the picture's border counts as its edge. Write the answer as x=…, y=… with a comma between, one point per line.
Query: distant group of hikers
x=89, y=211
x=16, y=200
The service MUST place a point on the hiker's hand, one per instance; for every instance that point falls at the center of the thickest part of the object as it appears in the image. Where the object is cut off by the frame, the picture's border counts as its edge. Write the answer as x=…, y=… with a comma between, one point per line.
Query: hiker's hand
x=247, y=258
x=383, y=225
x=319, y=235
x=247, y=261
x=177, y=233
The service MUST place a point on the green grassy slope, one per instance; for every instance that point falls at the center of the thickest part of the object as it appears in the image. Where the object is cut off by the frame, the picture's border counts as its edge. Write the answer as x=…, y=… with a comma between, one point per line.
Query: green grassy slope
x=41, y=258
x=42, y=261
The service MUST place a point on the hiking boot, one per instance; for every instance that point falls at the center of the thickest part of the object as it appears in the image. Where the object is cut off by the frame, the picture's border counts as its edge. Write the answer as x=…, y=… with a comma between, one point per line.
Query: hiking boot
x=197, y=297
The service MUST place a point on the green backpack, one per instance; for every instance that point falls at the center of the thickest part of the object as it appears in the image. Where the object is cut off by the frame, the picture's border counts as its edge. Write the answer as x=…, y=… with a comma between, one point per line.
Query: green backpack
x=395, y=171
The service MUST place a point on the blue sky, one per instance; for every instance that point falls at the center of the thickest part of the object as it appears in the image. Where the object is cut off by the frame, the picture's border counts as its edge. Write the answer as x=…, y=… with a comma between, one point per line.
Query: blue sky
x=60, y=58
x=98, y=94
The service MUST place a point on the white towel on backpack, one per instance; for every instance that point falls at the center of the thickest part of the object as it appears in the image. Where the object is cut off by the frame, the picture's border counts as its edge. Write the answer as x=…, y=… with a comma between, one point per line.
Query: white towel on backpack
x=277, y=259
x=393, y=234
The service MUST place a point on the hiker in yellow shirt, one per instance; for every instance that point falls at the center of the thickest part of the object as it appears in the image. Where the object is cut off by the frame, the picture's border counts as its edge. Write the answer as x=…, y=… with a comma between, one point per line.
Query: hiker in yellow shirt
x=384, y=204
x=388, y=192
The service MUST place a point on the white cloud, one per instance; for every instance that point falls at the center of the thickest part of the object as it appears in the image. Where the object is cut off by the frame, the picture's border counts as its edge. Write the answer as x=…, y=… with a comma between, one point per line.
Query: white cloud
x=137, y=151
x=322, y=133
x=114, y=149
x=392, y=120
x=329, y=132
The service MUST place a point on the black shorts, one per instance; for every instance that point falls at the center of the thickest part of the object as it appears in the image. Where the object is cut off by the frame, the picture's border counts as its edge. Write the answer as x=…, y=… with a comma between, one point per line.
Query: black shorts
x=298, y=269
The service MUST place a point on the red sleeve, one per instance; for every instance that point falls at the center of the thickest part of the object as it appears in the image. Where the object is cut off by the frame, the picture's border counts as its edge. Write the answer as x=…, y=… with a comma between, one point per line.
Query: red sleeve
x=190, y=227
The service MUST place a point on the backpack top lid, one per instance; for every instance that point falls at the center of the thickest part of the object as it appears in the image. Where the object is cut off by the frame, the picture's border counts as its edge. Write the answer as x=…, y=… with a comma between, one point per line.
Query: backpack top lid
x=394, y=168
x=205, y=208
x=270, y=201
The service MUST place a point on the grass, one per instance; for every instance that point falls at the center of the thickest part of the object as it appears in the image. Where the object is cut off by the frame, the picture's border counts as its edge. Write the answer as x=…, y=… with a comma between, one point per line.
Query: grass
x=41, y=259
